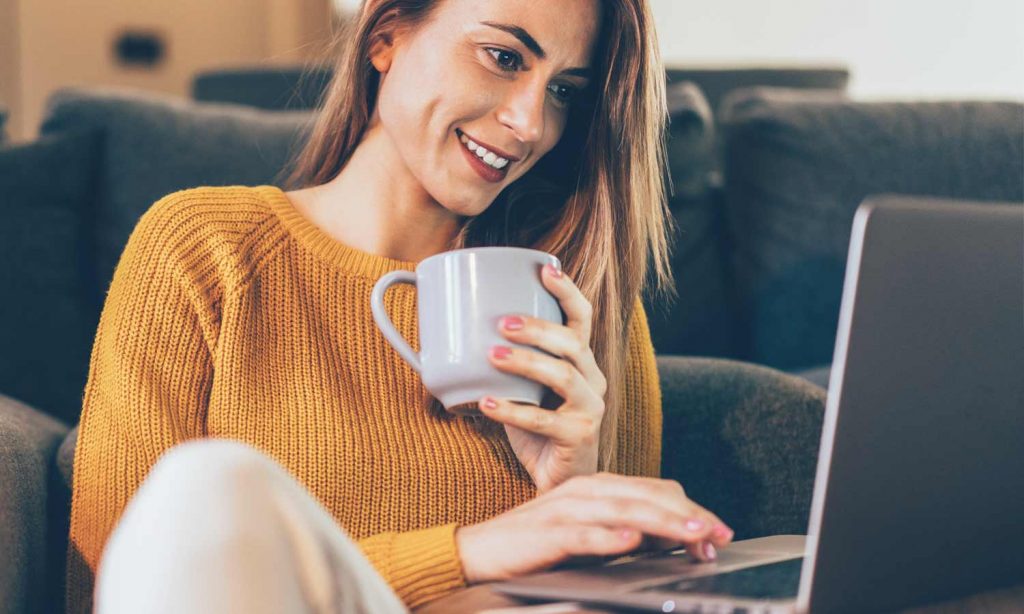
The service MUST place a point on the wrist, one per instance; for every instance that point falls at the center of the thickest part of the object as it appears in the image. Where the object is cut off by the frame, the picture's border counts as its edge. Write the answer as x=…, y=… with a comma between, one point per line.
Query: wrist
x=465, y=537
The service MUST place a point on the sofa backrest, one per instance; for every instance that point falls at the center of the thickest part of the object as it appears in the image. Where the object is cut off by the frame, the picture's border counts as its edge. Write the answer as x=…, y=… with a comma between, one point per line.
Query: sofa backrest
x=797, y=165
x=48, y=296
x=155, y=144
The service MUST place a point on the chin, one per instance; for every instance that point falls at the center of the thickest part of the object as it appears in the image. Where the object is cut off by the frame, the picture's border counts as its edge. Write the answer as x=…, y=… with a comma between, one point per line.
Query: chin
x=466, y=207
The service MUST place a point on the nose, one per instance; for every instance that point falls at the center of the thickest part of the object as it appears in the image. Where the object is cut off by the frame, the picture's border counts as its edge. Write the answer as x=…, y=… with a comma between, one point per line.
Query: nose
x=522, y=111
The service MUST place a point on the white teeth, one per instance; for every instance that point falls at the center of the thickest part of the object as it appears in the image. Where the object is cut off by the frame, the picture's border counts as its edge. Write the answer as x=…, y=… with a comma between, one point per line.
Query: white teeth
x=489, y=157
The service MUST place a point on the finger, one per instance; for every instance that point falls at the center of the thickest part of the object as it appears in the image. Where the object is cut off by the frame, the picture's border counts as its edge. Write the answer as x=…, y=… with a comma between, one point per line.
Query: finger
x=640, y=514
x=702, y=551
x=569, y=428
x=555, y=373
x=585, y=540
x=577, y=308
x=558, y=340
x=666, y=493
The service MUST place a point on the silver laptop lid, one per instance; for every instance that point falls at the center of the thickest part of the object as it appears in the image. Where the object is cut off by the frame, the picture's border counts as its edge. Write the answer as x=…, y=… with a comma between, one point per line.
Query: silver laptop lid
x=925, y=475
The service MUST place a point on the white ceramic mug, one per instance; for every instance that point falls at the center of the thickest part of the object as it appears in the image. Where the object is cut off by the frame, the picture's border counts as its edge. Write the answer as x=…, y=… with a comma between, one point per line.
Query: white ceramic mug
x=461, y=295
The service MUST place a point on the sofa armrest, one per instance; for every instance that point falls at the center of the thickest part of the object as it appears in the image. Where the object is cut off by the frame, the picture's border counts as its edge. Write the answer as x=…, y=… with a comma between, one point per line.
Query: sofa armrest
x=743, y=440
x=28, y=444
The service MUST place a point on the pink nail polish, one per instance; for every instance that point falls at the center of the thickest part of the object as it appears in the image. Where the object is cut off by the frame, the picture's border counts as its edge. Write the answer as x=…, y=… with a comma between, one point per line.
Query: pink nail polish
x=513, y=323
x=555, y=271
x=722, y=532
x=489, y=403
x=709, y=551
x=694, y=525
x=500, y=351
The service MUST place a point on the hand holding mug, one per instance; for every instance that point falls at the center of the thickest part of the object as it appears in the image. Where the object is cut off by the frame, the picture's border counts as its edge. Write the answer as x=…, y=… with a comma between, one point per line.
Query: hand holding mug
x=553, y=445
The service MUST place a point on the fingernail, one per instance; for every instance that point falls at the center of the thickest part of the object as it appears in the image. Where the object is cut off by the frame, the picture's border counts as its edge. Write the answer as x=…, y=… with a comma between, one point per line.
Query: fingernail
x=709, y=551
x=501, y=351
x=489, y=402
x=555, y=271
x=722, y=532
x=694, y=525
x=512, y=323
x=627, y=534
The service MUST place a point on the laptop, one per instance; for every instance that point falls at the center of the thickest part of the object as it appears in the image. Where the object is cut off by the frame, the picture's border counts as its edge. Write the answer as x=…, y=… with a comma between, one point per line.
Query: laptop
x=919, y=492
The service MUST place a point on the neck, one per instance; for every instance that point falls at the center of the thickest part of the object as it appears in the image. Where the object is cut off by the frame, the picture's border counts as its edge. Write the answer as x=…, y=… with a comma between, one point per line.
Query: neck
x=377, y=206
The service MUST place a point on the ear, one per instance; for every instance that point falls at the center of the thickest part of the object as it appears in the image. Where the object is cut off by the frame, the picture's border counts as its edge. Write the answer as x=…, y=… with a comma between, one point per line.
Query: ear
x=382, y=51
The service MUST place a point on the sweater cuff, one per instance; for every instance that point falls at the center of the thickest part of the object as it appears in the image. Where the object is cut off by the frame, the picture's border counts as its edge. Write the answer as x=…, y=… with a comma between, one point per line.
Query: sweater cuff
x=419, y=565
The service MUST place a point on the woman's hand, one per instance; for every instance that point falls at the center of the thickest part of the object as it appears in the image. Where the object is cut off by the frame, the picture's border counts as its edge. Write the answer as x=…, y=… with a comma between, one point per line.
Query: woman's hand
x=553, y=445
x=602, y=514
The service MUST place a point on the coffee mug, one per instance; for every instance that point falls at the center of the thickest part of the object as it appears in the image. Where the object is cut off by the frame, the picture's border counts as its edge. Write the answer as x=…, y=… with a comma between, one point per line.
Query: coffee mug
x=461, y=295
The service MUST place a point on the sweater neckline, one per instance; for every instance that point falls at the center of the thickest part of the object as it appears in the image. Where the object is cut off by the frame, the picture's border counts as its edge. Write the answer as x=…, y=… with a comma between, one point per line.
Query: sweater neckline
x=324, y=246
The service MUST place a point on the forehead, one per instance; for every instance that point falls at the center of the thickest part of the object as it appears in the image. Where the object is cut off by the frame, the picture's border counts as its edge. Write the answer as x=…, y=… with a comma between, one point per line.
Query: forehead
x=565, y=29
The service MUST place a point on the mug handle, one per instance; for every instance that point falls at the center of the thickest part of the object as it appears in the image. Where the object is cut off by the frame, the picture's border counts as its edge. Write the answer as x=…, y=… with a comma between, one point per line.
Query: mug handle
x=380, y=315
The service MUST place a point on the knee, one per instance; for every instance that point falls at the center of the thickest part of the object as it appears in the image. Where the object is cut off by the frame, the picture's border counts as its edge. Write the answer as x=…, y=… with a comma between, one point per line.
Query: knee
x=206, y=489
x=215, y=465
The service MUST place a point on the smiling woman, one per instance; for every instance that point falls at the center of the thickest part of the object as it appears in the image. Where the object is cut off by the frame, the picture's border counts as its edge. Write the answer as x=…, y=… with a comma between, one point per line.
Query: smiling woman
x=571, y=93
x=243, y=313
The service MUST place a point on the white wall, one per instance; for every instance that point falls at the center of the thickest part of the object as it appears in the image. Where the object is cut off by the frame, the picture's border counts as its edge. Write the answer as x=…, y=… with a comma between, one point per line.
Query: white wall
x=894, y=48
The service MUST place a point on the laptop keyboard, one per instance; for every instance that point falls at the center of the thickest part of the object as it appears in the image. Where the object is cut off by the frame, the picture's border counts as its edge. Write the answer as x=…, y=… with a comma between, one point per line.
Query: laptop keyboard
x=771, y=581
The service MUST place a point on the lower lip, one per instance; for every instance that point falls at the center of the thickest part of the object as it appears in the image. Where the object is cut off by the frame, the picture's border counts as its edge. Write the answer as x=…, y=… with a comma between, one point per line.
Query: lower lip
x=485, y=170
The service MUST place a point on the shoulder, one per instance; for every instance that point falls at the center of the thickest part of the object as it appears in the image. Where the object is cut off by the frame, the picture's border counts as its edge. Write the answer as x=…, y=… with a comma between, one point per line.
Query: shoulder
x=216, y=234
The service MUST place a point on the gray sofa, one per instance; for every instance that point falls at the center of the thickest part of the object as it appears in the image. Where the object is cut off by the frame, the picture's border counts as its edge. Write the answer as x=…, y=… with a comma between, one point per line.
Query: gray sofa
x=759, y=265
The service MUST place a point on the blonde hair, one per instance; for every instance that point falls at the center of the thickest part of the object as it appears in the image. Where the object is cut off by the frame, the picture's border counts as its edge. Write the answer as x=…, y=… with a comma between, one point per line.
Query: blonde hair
x=597, y=201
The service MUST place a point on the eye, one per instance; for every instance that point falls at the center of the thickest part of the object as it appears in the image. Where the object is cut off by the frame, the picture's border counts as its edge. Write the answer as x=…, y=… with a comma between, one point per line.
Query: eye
x=563, y=93
x=506, y=60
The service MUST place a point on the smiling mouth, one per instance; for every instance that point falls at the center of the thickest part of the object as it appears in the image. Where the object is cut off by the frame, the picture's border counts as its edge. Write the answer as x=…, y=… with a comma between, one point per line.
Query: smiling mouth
x=486, y=165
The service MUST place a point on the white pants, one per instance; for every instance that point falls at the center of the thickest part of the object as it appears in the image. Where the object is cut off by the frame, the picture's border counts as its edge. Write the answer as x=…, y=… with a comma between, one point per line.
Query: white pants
x=219, y=527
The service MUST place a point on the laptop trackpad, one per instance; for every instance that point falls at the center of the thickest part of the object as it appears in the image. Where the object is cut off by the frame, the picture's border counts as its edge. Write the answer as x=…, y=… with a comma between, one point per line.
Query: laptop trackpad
x=646, y=573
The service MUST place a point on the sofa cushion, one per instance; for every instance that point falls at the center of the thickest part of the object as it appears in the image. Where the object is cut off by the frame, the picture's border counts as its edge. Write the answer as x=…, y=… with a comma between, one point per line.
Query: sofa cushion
x=32, y=519
x=700, y=320
x=797, y=166
x=48, y=312
x=743, y=440
x=155, y=144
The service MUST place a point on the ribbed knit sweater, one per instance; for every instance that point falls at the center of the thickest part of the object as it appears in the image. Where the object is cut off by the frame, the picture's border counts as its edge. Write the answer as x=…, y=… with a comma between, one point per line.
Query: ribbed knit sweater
x=232, y=315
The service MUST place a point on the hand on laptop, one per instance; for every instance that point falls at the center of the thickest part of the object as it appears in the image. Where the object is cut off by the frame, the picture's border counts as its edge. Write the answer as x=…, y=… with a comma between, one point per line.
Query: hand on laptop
x=601, y=514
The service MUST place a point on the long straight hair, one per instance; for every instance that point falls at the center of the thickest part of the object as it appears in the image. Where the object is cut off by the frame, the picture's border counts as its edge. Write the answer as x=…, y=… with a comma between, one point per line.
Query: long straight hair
x=597, y=200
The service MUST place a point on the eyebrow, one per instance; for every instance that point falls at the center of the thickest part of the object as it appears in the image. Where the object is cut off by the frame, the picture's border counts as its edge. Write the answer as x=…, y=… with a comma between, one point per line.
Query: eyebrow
x=531, y=44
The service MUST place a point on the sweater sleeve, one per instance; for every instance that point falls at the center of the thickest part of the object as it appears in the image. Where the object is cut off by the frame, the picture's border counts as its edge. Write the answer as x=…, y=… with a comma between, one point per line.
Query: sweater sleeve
x=420, y=566
x=149, y=380
x=639, y=421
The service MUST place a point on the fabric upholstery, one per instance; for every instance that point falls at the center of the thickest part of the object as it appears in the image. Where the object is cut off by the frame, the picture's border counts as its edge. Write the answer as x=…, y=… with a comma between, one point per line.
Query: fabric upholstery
x=743, y=441
x=28, y=514
x=797, y=165
x=274, y=88
x=155, y=144
x=701, y=318
x=48, y=312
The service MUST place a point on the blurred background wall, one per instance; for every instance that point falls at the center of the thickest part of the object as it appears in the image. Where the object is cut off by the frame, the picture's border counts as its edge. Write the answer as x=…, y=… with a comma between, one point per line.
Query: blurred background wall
x=894, y=48
x=46, y=44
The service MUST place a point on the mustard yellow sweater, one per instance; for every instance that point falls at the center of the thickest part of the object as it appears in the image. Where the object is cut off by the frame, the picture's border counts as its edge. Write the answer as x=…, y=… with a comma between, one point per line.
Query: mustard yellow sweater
x=232, y=315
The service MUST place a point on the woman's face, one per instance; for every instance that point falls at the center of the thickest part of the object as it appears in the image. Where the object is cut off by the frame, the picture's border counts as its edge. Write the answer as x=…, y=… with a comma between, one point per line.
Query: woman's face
x=499, y=73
